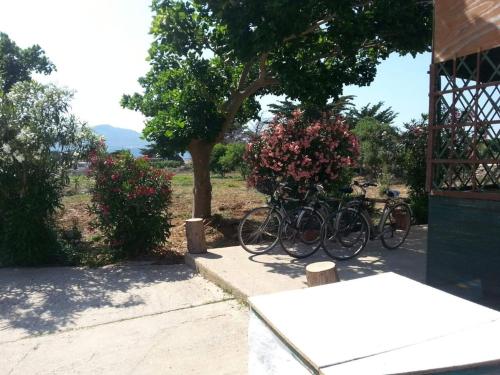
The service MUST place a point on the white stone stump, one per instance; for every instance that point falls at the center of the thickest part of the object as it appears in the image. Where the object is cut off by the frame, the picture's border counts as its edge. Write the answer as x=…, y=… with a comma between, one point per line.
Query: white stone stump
x=195, y=234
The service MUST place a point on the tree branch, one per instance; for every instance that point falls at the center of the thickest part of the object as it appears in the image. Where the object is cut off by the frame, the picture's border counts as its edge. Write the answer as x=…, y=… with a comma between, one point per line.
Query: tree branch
x=234, y=103
x=310, y=29
x=244, y=75
x=262, y=65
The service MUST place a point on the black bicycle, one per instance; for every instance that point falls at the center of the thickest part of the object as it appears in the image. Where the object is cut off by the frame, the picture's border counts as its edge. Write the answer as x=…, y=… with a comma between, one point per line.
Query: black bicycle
x=259, y=229
x=304, y=230
x=392, y=228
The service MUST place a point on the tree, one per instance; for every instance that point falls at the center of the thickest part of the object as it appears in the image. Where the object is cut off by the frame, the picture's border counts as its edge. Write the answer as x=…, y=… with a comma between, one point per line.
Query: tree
x=375, y=111
x=379, y=146
x=227, y=158
x=313, y=111
x=210, y=58
x=161, y=149
x=17, y=64
x=40, y=140
x=216, y=160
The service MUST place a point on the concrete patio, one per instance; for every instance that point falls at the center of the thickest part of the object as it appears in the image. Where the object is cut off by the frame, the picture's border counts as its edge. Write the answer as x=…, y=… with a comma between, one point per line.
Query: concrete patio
x=150, y=319
x=129, y=319
x=245, y=275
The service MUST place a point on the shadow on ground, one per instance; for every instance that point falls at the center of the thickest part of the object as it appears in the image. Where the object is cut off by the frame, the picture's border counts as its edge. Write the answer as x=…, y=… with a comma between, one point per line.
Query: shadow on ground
x=408, y=260
x=247, y=275
x=43, y=300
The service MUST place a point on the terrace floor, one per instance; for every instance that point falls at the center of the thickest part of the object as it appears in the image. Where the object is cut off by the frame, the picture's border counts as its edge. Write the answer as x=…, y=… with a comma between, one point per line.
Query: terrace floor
x=245, y=275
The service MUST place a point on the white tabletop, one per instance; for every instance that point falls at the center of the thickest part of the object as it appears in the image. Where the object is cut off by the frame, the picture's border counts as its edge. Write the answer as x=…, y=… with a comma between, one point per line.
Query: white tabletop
x=374, y=320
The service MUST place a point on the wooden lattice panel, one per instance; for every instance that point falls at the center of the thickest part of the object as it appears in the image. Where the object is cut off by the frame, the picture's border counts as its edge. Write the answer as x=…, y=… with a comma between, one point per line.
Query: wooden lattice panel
x=464, y=137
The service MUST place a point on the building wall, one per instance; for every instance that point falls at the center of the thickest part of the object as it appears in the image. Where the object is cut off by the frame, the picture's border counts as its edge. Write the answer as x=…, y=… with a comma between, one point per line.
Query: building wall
x=464, y=246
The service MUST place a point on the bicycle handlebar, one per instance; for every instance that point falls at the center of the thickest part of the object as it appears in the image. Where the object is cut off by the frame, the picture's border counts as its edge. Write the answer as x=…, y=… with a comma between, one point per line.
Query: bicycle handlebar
x=364, y=184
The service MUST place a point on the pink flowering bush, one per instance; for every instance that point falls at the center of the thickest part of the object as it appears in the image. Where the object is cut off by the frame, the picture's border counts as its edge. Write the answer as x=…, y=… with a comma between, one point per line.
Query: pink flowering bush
x=130, y=201
x=300, y=152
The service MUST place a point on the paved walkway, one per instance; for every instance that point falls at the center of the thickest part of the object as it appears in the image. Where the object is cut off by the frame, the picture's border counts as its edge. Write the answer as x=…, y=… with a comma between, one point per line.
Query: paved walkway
x=118, y=320
x=246, y=275
x=144, y=319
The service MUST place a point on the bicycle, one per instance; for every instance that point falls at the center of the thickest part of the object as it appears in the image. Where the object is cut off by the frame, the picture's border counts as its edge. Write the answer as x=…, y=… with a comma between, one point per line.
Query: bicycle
x=258, y=231
x=302, y=231
x=393, y=226
x=346, y=231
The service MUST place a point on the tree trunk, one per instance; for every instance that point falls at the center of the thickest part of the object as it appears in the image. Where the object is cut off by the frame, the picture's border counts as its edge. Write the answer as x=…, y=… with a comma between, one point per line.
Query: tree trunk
x=202, y=191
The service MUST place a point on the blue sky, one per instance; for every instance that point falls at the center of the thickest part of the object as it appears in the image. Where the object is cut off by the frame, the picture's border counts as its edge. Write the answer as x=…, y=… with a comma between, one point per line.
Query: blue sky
x=100, y=46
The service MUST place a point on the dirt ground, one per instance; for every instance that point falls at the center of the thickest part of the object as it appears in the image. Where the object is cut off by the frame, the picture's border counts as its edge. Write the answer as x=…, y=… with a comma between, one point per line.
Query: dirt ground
x=231, y=200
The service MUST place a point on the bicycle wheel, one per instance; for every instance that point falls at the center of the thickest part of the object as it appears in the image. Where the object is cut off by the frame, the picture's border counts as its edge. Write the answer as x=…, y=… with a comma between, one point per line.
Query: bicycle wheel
x=397, y=222
x=301, y=232
x=258, y=230
x=346, y=234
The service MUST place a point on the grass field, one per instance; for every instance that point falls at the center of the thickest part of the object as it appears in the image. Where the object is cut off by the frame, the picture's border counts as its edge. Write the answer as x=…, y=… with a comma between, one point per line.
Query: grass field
x=231, y=199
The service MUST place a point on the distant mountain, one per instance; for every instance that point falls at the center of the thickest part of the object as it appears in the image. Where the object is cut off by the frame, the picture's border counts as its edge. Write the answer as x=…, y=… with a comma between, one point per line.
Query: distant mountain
x=120, y=138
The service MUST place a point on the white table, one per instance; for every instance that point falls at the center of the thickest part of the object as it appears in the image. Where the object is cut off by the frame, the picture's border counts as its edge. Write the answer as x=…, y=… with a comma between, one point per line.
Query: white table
x=383, y=324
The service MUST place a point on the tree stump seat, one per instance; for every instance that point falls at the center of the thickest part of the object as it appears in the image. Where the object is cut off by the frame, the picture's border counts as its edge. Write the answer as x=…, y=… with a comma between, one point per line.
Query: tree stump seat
x=320, y=273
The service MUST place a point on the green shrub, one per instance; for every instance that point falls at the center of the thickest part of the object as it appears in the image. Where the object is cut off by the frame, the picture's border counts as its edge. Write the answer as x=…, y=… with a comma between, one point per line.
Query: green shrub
x=39, y=142
x=420, y=208
x=130, y=201
x=228, y=158
x=216, y=163
x=414, y=162
x=384, y=181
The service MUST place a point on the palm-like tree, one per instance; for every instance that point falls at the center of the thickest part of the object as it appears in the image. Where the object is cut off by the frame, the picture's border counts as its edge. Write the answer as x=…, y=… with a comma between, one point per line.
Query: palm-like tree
x=375, y=111
x=313, y=111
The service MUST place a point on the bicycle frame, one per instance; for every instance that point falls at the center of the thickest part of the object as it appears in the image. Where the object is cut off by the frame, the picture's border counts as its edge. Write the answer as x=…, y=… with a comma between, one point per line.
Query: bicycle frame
x=376, y=230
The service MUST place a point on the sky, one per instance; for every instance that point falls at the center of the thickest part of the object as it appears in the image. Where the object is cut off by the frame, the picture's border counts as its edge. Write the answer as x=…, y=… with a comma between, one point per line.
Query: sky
x=100, y=47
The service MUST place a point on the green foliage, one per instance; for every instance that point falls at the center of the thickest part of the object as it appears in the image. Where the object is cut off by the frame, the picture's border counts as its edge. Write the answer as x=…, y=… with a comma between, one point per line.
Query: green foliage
x=39, y=142
x=414, y=163
x=384, y=181
x=420, y=207
x=130, y=201
x=204, y=50
x=185, y=91
x=216, y=164
x=17, y=64
x=234, y=158
x=375, y=111
x=210, y=58
x=379, y=146
x=227, y=158
x=313, y=111
x=317, y=46
x=161, y=149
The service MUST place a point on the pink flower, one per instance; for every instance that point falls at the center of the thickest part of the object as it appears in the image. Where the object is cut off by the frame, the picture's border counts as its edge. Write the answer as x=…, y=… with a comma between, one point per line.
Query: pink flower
x=105, y=210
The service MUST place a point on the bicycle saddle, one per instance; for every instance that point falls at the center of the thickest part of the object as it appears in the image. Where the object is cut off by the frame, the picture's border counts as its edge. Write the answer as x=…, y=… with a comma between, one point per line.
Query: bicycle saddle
x=392, y=193
x=346, y=190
